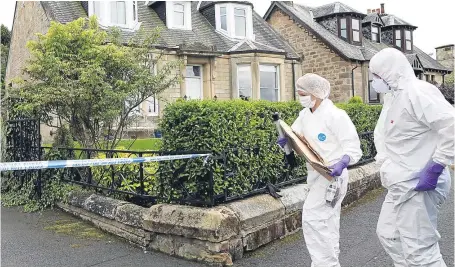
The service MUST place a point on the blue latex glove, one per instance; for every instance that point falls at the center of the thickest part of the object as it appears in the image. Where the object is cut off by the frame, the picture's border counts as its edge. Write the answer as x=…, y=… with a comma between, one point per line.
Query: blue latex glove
x=428, y=177
x=282, y=142
x=338, y=168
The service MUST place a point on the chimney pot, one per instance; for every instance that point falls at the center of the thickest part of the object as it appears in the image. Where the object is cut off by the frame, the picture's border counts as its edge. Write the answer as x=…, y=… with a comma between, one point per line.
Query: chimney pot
x=382, y=8
x=368, y=11
x=378, y=11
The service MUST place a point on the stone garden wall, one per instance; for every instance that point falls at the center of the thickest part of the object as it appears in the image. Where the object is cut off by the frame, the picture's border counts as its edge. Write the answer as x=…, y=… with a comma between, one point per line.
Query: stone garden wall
x=217, y=235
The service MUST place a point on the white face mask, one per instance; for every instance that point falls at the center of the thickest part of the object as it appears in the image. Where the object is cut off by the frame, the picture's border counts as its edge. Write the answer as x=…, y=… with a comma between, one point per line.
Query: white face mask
x=306, y=101
x=380, y=86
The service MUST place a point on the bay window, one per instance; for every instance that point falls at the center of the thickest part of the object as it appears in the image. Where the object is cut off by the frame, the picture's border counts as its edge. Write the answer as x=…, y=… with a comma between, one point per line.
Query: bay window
x=234, y=20
x=121, y=14
x=349, y=29
x=403, y=39
x=178, y=15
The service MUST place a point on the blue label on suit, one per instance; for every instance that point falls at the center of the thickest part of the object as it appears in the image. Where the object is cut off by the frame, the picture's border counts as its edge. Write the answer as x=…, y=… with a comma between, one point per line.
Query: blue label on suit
x=322, y=137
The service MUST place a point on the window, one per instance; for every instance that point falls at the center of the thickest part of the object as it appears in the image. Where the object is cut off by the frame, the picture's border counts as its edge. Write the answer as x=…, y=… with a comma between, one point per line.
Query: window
x=244, y=81
x=240, y=22
x=427, y=77
x=178, y=15
x=234, y=20
x=193, y=82
x=355, y=30
x=223, y=18
x=115, y=13
x=118, y=12
x=373, y=96
x=432, y=78
x=343, y=29
x=151, y=106
x=375, y=34
x=408, y=40
x=398, y=38
x=269, y=82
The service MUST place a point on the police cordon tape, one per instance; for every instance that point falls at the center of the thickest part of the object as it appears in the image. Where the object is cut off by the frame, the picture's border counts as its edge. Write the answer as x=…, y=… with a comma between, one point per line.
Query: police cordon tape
x=58, y=164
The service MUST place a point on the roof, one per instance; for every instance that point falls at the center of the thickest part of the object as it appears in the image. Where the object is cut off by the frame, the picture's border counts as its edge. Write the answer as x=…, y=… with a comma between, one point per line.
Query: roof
x=373, y=18
x=392, y=20
x=444, y=46
x=301, y=15
x=63, y=12
x=202, y=38
x=332, y=8
x=428, y=62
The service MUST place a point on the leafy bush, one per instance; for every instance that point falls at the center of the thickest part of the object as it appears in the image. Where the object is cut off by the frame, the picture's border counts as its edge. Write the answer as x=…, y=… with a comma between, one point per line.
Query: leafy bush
x=219, y=126
x=448, y=91
x=355, y=100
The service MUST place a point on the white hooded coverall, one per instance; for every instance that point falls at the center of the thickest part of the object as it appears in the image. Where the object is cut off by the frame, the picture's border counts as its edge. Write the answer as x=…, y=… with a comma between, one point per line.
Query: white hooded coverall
x=416, y=126
x=332, y=134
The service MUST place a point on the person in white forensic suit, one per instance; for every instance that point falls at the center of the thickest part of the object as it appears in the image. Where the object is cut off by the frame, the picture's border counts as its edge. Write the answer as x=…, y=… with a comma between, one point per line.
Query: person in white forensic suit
x=332, y=134
x=415, y=141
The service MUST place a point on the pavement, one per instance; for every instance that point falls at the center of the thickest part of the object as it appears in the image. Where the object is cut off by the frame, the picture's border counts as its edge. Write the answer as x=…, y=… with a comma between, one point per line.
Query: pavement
x=54, y=238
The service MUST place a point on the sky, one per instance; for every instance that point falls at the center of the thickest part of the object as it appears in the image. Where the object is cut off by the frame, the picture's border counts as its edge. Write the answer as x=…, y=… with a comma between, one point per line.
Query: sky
x=435, y=19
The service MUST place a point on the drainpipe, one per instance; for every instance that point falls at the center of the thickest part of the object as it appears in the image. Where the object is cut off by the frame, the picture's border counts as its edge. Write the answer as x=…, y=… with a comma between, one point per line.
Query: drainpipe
x=352, y=80
x=293, y=78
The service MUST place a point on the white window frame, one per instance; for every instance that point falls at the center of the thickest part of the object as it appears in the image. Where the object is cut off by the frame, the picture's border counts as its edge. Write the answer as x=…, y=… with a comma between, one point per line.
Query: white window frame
x=230, y=20
x=277, y=79
x=186, y=15
x=104, y=19
x=251, y=79
x=155, y=100
x=202, y=80
x=378, y=34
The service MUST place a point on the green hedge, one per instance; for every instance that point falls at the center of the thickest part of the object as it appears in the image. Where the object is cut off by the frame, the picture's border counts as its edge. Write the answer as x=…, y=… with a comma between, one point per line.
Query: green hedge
x=219, y=126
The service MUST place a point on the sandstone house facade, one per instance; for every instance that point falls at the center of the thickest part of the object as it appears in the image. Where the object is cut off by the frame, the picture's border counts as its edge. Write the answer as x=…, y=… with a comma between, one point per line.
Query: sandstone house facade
x=228, y=50
x=337, y=42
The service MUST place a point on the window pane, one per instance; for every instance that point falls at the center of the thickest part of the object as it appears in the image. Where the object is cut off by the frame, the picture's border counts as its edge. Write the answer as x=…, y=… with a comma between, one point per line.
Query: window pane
x=114, y=12
x=239, y=12
x=244, y=80
x=408, y=45
x=121, y=8
x=397, y=34
x=268, y=82
x=356, y=36
x=343, y=23
x=222, y=10
x=373, y=94
x=224, y=22
x=374, y=29
x=398, y=43
x=344, y=33
x=374, y=37
x=193, y=71
x=179, y=18
x=355, y=24
x=178, y=7
x=408, y=35
x=97, y=8
x=240, y=26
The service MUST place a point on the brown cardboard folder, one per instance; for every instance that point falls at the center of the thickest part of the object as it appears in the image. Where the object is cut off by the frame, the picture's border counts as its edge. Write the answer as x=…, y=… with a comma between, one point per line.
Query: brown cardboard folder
x=303, y=148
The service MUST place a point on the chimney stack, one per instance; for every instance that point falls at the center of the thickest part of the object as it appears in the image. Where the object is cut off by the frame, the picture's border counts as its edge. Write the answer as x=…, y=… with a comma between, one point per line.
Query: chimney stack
x=382, y=8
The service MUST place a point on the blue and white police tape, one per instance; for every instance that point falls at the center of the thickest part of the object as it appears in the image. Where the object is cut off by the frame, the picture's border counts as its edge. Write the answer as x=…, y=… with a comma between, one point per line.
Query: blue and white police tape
x=58, y=164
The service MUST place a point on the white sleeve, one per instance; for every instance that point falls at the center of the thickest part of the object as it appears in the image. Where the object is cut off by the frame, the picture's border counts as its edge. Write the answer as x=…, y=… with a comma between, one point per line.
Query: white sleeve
x=347, y=135
x=379, y=131
x=433, y=109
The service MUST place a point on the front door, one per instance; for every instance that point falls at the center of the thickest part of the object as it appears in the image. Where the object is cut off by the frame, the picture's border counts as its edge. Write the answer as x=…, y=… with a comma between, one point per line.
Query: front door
x=193, y=82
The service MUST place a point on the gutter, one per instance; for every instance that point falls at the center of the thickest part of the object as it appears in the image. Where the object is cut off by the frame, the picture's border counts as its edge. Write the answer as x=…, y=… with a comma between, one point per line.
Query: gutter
x=293, y=79
x=352, y=80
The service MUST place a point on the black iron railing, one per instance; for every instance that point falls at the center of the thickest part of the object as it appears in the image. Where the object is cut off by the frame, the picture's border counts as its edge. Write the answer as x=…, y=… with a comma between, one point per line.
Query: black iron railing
x=196, y=181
